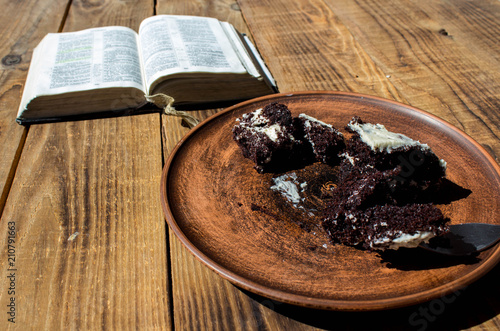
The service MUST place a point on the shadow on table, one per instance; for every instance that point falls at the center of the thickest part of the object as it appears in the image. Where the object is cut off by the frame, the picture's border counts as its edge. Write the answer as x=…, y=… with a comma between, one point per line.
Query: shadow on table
x=465, y=308
x=421, y=259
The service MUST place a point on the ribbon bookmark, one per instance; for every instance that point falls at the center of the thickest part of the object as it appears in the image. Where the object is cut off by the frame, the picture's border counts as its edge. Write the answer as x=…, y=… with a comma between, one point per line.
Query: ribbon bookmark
x=165, y=102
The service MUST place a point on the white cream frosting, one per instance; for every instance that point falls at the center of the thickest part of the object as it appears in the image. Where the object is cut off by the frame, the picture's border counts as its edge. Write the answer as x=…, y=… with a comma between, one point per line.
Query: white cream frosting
x=312, y=119
x=271, y=131
x=378, y=138
x=260, y=124
x=352, y=160
x=404, y=240
x=288, y=186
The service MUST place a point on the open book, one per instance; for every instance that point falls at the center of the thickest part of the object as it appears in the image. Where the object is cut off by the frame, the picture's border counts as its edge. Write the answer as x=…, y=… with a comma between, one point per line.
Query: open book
x=190, y=59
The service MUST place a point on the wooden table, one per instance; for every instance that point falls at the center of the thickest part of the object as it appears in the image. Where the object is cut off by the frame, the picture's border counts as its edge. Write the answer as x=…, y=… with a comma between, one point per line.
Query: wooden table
x=81, y=199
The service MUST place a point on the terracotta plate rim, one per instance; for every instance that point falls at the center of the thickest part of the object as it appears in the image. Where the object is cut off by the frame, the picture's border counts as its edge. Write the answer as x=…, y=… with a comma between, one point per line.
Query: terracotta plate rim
x=312, y=302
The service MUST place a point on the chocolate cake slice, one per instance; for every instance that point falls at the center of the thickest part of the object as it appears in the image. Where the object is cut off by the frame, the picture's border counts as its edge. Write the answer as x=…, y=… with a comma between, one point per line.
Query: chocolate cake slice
x=373, y=146
x=276, y=141
x=382, y=175
x=364, y=210
x=325, y=141
x=383, y=227
x=375, y=203
x=266, y=136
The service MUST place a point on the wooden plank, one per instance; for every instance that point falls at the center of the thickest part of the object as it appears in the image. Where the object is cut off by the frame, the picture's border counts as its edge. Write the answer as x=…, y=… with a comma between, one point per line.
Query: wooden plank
x=307, y=47
x=224, y=10
x=20, y=33
x=90, y=243
x=441, y=55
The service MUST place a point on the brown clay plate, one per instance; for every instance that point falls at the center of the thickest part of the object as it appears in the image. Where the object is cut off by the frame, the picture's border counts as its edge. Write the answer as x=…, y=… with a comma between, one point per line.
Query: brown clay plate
x=208, y=189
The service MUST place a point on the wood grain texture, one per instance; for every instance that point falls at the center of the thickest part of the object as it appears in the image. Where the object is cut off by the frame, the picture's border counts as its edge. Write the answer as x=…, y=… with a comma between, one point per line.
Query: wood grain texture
x=20, y=34
x=440, y=55
x=91, y=247
x=307, y=47
x=224, y=10
x=71, y=180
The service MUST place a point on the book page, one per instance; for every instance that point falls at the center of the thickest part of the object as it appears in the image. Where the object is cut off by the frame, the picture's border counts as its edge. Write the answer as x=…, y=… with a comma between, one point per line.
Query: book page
x=235, y=39
x=85, y=60
x=260, y=61
x=175, y=44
